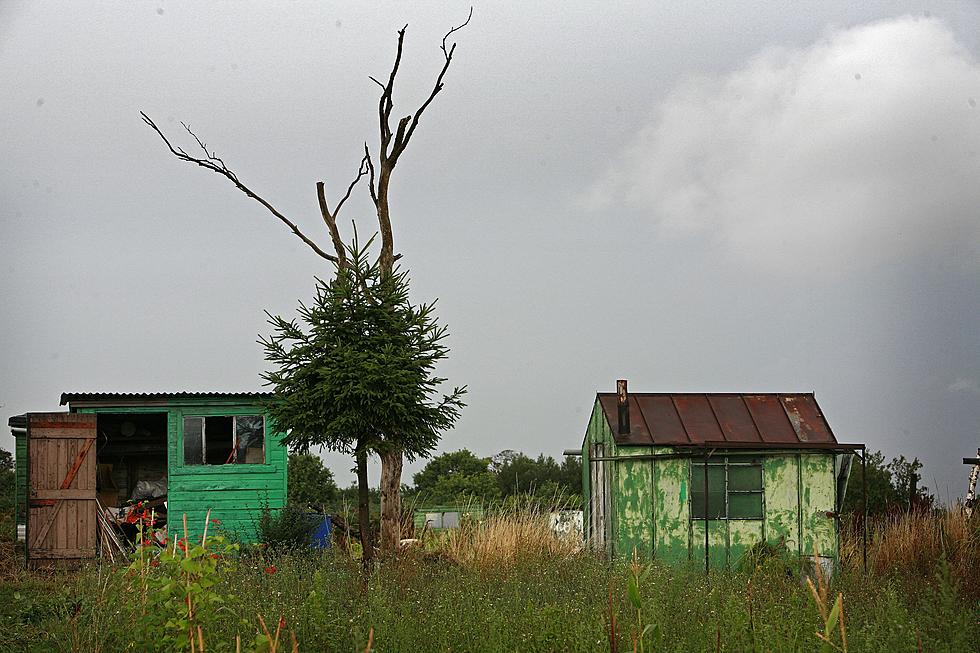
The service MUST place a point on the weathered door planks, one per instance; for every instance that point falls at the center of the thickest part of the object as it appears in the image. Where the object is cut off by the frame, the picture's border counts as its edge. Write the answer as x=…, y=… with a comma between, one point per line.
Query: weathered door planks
x=61, y=514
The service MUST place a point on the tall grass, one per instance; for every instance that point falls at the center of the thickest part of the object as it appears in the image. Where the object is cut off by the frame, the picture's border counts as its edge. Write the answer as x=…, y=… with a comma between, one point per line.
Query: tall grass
x=508, y=583
x=910, y=544
x=507, y=534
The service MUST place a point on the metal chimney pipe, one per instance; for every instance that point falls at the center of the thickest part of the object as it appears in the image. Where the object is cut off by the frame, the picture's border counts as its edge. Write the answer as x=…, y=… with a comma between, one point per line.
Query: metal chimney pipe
x=624, y=407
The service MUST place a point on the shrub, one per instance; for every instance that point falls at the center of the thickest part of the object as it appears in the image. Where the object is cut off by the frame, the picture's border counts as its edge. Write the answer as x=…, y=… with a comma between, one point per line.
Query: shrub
x=285, y=529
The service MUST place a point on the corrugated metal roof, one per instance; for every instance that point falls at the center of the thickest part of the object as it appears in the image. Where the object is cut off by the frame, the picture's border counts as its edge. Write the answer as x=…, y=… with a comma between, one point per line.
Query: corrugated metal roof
x=135, y=397
x=686, y=419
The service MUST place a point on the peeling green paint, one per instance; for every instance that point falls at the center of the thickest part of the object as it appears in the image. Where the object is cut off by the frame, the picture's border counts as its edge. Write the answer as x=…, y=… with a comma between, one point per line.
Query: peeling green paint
x=650, y=504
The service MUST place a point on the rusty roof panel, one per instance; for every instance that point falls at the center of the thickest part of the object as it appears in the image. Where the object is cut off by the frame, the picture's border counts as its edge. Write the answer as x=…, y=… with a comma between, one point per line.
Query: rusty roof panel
x=698, y=418
x=639, y=434
x=662, y=418
x=734, y=418
x=807, y=420
x=770, y=418
x=683, y=419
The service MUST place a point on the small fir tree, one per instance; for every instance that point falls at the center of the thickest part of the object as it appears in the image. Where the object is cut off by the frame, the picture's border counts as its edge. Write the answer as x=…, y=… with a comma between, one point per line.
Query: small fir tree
x=356, y=372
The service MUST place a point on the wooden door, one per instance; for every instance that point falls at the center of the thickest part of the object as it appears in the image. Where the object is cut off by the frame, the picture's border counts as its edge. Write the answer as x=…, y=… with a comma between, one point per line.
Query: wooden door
x=61, y=516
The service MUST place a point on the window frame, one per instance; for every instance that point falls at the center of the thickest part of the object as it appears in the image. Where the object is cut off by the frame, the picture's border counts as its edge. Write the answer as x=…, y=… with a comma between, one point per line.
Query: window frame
x=234, y=442
x=726, y=462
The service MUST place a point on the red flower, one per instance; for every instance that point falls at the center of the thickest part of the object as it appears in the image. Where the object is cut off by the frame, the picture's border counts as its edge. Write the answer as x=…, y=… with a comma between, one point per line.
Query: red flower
x=154, y=563
x=215, y=556
x=271, y=569
x=282, y=623
x=147, y=541
x=216, y=522
x=182, y=545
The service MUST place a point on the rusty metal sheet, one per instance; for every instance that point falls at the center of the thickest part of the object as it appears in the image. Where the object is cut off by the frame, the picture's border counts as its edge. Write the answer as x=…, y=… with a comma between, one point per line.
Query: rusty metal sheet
x=662, y=418
x=698, y=418
x=734, y=418
x=770, y=418
x=683, y=419
x=806, y=418
x=639, y=433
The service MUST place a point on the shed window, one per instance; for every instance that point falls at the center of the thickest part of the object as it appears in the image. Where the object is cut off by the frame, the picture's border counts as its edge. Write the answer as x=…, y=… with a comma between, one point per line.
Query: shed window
x=224, y=440
x=734, y=489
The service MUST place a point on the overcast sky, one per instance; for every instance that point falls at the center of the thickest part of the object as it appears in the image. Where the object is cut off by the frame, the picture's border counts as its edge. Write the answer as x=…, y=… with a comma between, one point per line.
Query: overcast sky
x=762, y=197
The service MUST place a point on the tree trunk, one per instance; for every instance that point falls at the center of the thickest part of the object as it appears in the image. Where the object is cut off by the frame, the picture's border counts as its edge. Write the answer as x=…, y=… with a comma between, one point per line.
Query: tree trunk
x=363, y=507
x=391, y=502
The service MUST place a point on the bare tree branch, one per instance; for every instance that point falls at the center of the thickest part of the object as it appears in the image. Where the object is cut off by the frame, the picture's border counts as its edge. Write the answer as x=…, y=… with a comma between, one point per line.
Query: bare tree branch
x=448, y=55
x=371, y=187
x=450, y=33
x=390, y=150
x=330, y=218
x=213, y=163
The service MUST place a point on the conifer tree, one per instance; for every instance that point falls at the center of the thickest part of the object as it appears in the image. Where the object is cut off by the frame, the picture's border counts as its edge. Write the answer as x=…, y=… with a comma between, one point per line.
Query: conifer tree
x=355, y=373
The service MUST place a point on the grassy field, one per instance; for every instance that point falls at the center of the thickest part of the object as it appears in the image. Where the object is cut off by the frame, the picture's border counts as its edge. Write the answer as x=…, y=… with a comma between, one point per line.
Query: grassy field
x=506, y=585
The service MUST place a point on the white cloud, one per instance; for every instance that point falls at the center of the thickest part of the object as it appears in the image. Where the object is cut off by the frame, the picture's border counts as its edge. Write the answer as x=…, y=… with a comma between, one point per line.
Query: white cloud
x=859, y=149
x=964, y=384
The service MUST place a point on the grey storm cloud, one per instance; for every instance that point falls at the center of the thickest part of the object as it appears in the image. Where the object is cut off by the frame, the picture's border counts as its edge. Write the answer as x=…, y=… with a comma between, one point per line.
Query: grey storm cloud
x=856, y=150
x=696, y=196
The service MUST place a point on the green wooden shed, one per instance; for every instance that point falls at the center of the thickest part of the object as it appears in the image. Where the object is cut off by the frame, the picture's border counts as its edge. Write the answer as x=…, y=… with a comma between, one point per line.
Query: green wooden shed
x=770, y=462
x=200, y=450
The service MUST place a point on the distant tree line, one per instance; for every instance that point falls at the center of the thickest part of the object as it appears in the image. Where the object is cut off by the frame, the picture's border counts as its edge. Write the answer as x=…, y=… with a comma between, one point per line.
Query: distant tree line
x=449, y=478
x=461, y=475
x=892, y=486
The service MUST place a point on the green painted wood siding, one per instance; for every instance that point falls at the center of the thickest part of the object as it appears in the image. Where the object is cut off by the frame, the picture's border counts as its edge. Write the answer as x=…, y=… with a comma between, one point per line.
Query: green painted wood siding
x=650, y=506
x=234, y=493
x=20, y=478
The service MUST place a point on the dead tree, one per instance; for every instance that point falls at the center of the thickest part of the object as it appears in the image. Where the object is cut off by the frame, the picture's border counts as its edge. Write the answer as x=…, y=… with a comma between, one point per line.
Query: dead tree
x=378, y=167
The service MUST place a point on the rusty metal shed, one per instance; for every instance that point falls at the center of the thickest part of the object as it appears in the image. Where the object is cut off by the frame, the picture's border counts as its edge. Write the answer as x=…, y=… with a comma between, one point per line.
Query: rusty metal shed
x=705, y=476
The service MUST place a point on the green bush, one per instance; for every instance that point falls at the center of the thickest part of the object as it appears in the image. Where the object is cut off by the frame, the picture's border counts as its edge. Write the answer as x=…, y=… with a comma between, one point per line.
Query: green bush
x=285, y=529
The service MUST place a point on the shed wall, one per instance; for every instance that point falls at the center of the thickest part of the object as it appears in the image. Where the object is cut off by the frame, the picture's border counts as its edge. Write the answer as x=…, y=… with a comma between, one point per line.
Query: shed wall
x=234, y=493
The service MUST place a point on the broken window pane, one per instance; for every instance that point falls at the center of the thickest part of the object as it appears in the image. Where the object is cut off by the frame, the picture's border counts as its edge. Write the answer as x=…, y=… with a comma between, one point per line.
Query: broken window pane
x=250, y=434
x=193, y=440
x=218, y=440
